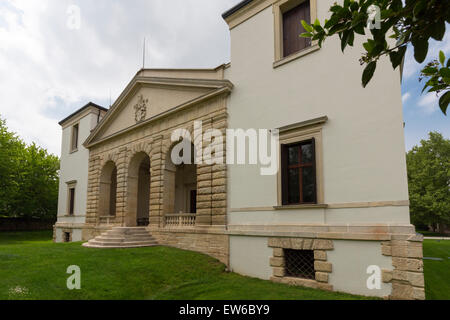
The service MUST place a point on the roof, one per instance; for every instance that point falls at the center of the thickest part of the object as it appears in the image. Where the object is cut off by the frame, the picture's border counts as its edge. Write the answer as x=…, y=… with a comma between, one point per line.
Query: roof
x=236, y=8
x=90, y=104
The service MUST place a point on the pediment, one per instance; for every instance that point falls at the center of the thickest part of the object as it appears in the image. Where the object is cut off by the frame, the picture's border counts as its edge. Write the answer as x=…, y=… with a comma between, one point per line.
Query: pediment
x=146, y=98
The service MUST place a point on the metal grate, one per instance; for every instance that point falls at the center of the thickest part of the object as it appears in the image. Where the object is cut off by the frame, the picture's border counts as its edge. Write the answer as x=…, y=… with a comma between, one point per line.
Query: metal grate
x=299, y=263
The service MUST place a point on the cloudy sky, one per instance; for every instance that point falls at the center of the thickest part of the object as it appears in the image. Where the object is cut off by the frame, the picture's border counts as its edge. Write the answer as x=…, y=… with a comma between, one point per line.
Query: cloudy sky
x=50, y=66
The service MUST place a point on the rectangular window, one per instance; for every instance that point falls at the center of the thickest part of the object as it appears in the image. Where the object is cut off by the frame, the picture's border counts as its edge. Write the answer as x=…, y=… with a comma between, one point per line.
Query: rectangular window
x=75, y=130
x=66, y=236
x=71, y=201
x=299, y=263
x=299, y=173
x=292, y=28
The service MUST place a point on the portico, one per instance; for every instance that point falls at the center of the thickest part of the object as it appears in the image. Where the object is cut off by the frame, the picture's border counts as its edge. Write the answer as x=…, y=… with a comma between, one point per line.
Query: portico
x=132, y=179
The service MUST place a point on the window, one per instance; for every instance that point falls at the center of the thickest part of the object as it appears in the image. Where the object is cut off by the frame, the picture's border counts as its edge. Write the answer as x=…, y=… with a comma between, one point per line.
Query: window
x=75, y=132
x=66, y=236
x=71, y=201
x=299, y=173
x=292, y=28
x=288, y=14
x=299, y=263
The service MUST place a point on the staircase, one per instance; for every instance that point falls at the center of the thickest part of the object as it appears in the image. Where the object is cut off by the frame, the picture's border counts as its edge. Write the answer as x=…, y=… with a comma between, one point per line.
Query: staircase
x=120, y=237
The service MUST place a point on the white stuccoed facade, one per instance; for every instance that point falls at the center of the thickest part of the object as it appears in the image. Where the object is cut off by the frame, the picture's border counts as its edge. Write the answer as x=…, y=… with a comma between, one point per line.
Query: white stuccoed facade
x=74, y=169
x=360, y=220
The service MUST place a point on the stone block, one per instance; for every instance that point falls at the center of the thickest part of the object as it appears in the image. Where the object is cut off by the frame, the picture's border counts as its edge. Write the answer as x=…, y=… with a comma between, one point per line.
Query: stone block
x=278, y=272
x=321, y=244
x=278, y=252
x=320, y=255
x=323, y=266
x=322, y=277
x=276, y=262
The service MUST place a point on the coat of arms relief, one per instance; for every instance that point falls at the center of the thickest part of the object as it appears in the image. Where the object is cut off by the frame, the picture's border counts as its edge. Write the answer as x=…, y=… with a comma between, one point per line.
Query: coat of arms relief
x=140, y=109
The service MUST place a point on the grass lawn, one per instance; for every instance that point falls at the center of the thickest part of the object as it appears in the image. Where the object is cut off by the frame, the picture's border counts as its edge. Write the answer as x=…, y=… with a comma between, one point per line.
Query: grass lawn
x=437, y=273
x=433, y=234
x=32, y=267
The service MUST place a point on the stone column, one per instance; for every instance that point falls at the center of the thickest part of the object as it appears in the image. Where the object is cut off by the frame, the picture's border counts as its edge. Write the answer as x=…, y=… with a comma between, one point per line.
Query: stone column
x=156, y=182
x=121, y=195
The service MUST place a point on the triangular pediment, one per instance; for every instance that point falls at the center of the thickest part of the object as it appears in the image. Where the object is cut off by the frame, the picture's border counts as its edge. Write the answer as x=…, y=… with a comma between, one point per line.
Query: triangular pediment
x=146, y=98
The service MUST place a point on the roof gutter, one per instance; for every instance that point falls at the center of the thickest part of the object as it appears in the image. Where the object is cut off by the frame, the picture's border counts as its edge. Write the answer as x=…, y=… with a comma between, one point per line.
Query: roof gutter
x=236, y=8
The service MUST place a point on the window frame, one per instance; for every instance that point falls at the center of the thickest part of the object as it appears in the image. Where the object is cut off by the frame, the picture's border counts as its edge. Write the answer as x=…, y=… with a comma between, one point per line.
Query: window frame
x=279, y=8
x=286, y=167
x=294, y=134
x=74, y=142
x=72, y=185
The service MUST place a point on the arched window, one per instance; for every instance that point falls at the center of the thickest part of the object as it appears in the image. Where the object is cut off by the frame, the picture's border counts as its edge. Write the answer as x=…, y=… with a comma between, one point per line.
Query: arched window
x=138, y=191
x=108, y=190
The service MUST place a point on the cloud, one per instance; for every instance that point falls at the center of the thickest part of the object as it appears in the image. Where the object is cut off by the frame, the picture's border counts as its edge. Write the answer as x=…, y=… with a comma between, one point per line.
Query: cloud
x=405, y=97
x=47, y=70
x=429, y=103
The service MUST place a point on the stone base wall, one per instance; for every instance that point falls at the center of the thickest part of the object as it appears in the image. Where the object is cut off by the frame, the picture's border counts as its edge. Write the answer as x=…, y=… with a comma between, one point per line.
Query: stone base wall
x=407, y=276
x=214, y=244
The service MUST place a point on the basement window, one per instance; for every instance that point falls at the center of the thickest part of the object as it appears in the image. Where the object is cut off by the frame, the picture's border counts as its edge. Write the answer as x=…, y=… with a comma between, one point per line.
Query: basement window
x=299, y=263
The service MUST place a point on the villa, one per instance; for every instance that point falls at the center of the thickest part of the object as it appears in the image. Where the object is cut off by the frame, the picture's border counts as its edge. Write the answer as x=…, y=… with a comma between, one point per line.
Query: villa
x=335, y=216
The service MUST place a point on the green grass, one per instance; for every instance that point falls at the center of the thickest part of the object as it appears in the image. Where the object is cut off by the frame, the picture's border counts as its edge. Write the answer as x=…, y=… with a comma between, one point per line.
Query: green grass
x=437, y=273
x=32, y=267
x=36, y=267
x=433, y=234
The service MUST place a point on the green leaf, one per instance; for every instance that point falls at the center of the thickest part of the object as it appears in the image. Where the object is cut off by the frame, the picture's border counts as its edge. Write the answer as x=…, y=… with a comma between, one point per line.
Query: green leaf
x=444, y=73
x=438, y=30
x=420, y=49
x=442, y=58
x=344, y=39
x=368, y=73
x=306, y=35
x=419, y=7
x=397, y=56
x=444, y=101
x=307, y=26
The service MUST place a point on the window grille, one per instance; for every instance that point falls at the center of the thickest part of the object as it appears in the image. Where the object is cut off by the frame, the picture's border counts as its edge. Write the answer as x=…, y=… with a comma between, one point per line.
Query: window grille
x=299, y=263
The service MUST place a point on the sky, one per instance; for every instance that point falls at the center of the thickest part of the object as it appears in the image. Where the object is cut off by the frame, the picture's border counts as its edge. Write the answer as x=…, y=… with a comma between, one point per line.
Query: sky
x=52, y=63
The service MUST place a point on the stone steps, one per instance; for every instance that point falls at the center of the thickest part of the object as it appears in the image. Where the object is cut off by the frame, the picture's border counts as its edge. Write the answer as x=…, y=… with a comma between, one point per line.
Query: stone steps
x=121, y=237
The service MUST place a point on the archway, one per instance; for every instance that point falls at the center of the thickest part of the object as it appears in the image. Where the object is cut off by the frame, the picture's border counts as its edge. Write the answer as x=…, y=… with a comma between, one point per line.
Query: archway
x=138, y=206
x=180, y=187
x=108, y=190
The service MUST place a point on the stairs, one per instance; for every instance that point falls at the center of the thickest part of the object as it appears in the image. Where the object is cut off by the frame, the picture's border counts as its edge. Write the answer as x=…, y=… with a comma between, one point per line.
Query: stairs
x=120, y=237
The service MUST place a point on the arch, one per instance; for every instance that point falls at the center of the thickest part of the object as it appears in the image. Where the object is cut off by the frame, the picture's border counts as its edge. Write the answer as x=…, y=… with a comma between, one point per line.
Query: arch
x=108, y=190
x=180, y=185
x=138, y=191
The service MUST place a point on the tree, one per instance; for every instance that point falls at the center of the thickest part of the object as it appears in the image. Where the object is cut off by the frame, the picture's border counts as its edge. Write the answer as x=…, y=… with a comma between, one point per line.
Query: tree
x=11, y=150
x=429, y=181
x=28, y=178
x=407, y=21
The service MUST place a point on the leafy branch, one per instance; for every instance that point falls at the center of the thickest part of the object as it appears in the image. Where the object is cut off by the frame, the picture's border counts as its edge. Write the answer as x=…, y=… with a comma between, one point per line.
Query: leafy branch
x=412, y=22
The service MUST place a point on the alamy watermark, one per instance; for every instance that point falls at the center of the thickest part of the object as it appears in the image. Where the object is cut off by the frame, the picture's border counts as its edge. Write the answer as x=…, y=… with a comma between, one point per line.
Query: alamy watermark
x=73, y=17
x=251, y=146
x=74, y=280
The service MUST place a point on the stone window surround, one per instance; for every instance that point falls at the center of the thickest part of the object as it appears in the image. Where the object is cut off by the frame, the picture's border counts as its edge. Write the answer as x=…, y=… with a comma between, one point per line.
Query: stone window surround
x=322, y=267
x=71, y=185
x=279, y=8
x=303, y=131
x=72, y=128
